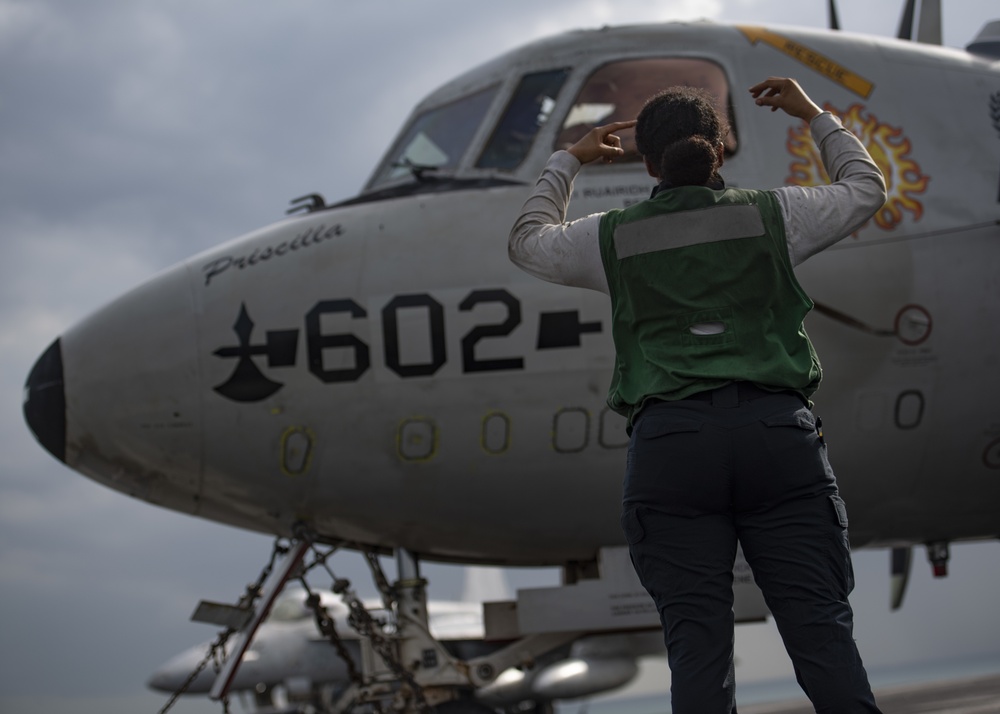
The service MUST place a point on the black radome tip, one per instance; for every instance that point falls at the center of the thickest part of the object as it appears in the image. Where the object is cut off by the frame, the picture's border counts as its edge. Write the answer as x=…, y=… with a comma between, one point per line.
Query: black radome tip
x=45, y=401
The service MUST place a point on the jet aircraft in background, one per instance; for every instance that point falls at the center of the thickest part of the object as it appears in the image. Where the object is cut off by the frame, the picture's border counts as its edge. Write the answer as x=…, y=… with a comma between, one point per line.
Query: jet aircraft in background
x=375, y=373
x=290, y=664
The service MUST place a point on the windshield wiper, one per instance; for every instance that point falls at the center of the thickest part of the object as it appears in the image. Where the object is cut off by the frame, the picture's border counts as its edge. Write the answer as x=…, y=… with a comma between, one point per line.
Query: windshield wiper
x=417, y=170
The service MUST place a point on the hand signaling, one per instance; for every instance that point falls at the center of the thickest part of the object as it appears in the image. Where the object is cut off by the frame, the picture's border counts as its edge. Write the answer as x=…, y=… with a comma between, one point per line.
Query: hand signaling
x=601, y=143
x=786, y=94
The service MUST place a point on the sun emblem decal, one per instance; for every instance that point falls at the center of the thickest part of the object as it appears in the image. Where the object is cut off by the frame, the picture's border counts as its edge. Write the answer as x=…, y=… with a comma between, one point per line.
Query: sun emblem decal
x=890, y=150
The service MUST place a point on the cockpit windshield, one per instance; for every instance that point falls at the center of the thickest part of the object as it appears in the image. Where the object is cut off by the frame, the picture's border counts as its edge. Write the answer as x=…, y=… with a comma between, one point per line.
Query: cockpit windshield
x=527, y=112
x=436, y=139
x=617, y=91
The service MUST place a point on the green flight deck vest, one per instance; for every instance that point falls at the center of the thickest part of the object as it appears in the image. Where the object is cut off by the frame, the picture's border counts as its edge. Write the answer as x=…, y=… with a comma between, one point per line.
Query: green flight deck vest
x=689, y=256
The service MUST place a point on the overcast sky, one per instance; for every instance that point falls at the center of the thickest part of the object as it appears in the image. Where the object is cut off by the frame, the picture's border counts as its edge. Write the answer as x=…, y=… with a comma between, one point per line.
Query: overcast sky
x=135, y=133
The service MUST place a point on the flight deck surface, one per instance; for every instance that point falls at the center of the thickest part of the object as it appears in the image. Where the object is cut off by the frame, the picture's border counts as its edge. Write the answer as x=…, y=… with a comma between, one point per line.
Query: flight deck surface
x=974, y=695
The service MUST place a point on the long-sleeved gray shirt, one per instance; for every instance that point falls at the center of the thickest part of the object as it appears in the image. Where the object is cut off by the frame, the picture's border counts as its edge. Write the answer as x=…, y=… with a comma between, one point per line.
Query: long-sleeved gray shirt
x=816, y=217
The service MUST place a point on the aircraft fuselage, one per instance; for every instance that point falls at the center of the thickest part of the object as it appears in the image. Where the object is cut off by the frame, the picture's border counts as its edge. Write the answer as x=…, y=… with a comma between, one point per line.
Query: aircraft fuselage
x=380, y=371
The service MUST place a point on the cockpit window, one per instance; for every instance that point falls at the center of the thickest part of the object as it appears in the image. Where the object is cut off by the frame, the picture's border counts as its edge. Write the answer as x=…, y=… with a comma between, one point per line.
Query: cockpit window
x=617, y=91
x=436, y=139
x=528, y=110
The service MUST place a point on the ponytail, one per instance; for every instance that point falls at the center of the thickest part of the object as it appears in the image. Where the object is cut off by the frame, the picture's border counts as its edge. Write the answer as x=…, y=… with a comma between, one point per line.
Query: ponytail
x=688, y=162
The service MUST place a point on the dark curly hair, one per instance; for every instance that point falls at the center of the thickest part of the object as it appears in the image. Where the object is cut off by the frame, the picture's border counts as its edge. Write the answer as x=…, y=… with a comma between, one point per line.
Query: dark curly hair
x=678, y=132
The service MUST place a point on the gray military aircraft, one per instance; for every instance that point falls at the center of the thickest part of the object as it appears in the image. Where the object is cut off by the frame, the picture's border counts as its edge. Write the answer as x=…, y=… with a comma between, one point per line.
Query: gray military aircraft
x=374, y=373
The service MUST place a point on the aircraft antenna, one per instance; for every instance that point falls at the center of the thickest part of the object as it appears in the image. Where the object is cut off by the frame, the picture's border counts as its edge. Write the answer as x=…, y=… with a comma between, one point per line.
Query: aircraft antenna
x=900, y=565
x=929, y=27
x=906, y=23
x=834, y=21
x=927, y=23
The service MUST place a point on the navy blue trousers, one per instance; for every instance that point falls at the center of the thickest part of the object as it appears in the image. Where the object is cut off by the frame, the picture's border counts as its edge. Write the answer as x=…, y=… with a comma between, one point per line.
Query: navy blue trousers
x=749, y=467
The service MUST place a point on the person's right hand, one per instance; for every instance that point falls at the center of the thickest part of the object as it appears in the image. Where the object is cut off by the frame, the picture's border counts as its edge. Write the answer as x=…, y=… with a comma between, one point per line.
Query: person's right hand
x=601, y=143
x=786, y=94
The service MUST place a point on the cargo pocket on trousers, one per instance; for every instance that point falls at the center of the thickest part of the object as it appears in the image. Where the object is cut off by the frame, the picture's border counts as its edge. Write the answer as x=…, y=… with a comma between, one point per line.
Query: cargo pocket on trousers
x=844, y=570
x=634, y=535
x=840, y=509
x=632, y=526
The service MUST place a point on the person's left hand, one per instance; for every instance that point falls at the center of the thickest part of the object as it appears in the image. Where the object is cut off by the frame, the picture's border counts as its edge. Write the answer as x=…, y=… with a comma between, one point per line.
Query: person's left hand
x=601, y=143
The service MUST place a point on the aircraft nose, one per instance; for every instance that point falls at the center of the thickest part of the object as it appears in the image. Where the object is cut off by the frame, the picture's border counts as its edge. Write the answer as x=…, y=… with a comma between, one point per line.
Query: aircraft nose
x=172, y=675
x=117, y=397
x=45, y=401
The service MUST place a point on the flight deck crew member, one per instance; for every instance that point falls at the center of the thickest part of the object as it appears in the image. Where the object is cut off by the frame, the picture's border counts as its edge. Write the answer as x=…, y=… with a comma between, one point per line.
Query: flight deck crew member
x=713, y=371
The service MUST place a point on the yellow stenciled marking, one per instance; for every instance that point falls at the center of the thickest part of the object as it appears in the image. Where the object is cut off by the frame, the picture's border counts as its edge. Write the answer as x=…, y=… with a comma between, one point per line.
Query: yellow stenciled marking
x=563, y=429
x=296, y=450
x=811, y=59
x=417, y=439
x=484, y=437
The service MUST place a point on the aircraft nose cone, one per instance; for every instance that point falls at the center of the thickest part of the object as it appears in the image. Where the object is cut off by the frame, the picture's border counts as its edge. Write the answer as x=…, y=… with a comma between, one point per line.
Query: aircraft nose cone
x=174, y=673
x=45, y=401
